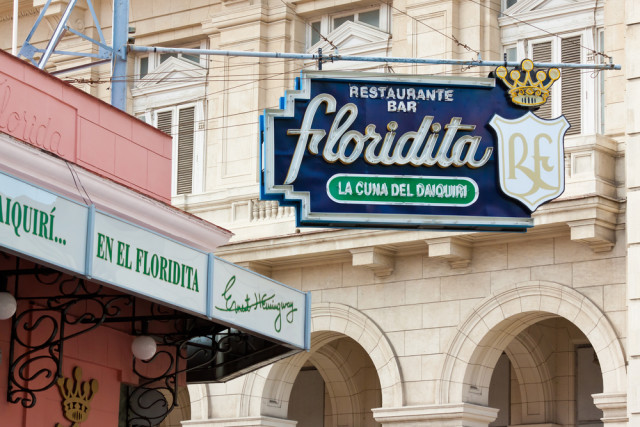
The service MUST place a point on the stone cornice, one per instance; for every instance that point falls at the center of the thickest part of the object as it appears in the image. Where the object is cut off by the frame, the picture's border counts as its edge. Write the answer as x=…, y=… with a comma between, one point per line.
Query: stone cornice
x=464, y=413
x=531, y=16
x=590, y=220
x=7, y=14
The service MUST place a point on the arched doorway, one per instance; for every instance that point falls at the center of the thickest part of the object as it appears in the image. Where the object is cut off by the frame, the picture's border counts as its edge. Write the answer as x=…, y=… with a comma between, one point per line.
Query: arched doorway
x=351, y=366
x=337, y=386
x=355, y=368
x=547, y=332
x=546, y=375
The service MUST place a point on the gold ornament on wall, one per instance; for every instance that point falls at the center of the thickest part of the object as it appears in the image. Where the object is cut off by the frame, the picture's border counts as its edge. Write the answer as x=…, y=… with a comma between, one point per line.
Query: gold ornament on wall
x=523, y=89
x=76, y=395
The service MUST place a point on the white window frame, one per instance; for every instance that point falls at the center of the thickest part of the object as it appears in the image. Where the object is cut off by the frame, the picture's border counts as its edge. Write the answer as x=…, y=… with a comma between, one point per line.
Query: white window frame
x=326, y=22
x=600, y=99
x=548, y=19
x=503, y=5
x=197, y=182
x=588, y=87
x=356, y=17
x=512, y=46
x=154, y=58
x=138, y=66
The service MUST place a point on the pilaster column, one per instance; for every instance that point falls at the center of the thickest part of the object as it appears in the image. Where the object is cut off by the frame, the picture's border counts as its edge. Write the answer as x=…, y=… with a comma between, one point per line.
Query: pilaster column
x=631, y=26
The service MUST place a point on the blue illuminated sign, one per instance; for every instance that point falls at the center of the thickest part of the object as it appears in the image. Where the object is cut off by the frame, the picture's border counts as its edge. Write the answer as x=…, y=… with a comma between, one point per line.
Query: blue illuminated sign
x=369, y=150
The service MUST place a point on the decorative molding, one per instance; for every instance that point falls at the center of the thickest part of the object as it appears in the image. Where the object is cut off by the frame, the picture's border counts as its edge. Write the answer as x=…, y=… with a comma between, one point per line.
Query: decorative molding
x=537, y=11
x=235, y=3
x=524, y=6
x=22, y=13
x=462, y=414
x=380, y=261
x=172, y=74
x=259, y=267
x=613, y=406
x=269, y=210
x=329, y=322
x=451, y=249
x=242, y=422
x=510, y=312
x=57, y=7
x=356, y=36
x=599, y=235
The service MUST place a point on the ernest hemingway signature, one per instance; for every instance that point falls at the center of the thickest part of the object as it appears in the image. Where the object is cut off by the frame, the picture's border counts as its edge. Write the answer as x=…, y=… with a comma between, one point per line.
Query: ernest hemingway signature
x=258, y=301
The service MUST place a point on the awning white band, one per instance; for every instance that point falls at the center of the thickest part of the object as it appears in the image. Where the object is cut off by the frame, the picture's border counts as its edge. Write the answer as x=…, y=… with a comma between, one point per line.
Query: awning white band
x=84, y=241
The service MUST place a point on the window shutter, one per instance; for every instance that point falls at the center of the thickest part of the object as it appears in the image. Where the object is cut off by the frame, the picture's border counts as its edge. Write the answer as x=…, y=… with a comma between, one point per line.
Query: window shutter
x=165, y=119
x=186, y=128
x=541, y=52
x=571, y=88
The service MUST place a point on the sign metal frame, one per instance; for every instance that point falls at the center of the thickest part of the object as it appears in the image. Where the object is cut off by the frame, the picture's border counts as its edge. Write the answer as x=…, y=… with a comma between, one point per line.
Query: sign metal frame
x=291, y=195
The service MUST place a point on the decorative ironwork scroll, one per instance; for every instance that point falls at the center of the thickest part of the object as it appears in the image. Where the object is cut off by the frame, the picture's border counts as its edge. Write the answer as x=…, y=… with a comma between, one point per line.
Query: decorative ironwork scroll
x=156, y=395
x=54, y=307
x=40, y=329
x=197, y=348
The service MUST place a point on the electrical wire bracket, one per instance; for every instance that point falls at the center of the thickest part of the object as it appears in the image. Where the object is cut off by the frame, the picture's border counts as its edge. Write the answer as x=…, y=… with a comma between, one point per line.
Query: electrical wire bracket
x=116, y=52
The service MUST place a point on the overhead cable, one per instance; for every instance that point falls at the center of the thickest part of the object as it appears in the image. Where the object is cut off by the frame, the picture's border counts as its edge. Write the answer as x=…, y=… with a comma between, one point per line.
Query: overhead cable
x=593, y=51
x=333, y=57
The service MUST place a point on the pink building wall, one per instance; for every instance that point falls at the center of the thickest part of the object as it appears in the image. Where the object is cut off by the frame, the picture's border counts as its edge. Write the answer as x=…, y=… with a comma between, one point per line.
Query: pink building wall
x=43, y=111
x=103, y=354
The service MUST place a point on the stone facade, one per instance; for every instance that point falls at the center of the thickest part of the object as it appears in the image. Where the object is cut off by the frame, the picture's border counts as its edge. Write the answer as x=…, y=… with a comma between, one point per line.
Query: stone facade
x=411, y=327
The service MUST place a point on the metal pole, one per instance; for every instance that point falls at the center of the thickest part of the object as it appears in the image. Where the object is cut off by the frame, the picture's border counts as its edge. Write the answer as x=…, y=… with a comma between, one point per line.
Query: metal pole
x=57, y=34
x=14, y=41
x=119, y=56
x=332, y=57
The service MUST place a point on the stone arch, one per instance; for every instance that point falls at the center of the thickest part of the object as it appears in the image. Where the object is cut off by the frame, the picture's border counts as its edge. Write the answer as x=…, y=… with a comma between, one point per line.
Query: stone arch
x=486, y=332
x=332, y=365
x=528, y=354
x=329, y=321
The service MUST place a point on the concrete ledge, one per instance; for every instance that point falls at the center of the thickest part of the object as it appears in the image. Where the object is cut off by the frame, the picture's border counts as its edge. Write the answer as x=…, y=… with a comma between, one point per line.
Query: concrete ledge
x=446, y=415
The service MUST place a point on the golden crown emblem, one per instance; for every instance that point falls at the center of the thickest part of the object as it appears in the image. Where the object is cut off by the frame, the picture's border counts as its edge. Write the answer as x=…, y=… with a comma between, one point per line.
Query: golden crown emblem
x=76, y=396
x=523, y=90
